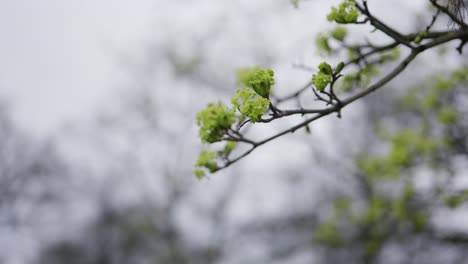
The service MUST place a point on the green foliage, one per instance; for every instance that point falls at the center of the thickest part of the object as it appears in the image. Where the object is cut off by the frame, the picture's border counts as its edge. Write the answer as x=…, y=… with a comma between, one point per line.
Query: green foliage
x=339, y=33
x=374, y=244
x=323, y=77
x=420, y=221
x=321, y=80
x=404, y=213
x=341, y=205
x=322, y=44
x=200, y=174
x=431, y=100
x=214, y=121
x=322, y=41
x=375, y=210
x=373, y=220
x=339, y=67
x=391, y=55
x=325, y=68
x=399, y=213
x=207, y=160
x=447, y=115
x=360, y=78
x=327, y=233
x=455, y=200
x=410, y=100
x=386, y=214
x=295, y=3
x=346, y=13
x=229, y=147
x=430, y=97
x=415, y=142
x=400, y=205
x=375, y=238
x=419, y=38
x=250, y=104
x=382, y=214
x=352, y=54
x=376, y=222
x=363, y=76
x=260, y=80
x=460, y=76
x=406, y=146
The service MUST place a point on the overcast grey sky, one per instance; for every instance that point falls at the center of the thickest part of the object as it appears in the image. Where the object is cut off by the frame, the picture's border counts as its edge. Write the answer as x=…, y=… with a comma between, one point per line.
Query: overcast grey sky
x=58, y=58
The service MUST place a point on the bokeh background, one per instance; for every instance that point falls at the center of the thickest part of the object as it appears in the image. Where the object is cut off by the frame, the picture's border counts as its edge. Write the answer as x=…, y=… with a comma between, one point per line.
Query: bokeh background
x=98, y=135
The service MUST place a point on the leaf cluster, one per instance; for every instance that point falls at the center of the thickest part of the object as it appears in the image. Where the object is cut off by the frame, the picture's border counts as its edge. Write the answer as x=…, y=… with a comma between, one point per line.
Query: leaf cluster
x=346, y=13
x=216, y=121
x=357, y=77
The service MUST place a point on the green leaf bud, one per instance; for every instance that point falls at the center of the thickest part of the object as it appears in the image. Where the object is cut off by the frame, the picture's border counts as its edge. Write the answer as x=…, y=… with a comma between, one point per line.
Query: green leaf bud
x=325, y=68
x=420, y=37
x=321, y=80
x=250, y=104
x=323, y=77
x=346, y=13
x=339, y=67
x=214, y=121
x=207, y=159
x=260, y=80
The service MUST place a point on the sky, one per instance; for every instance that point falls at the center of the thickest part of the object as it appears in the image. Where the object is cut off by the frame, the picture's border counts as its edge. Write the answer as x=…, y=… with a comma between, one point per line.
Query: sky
x=59, y=58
